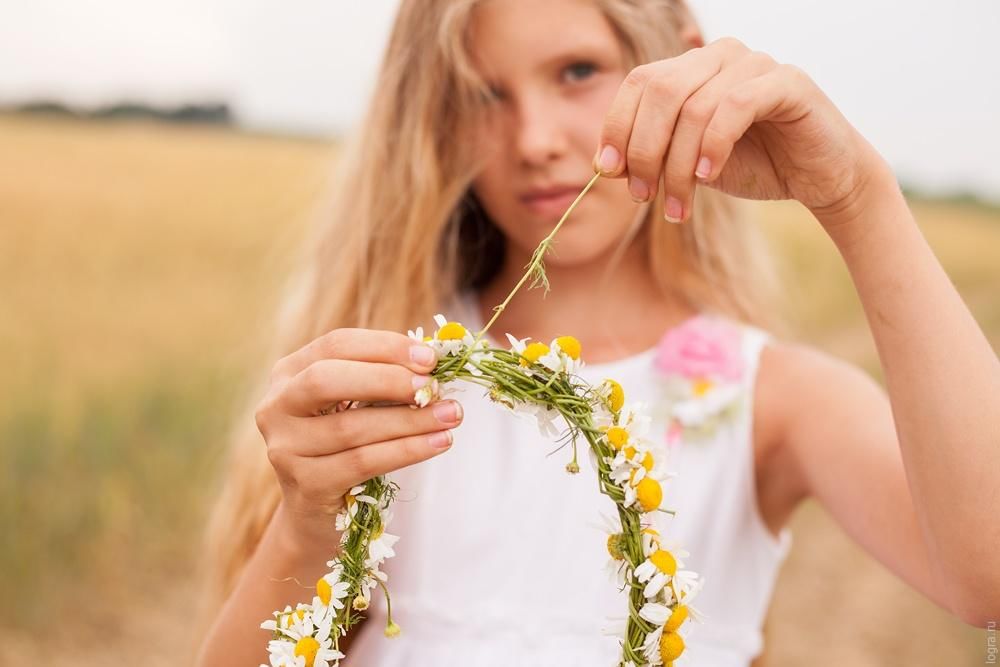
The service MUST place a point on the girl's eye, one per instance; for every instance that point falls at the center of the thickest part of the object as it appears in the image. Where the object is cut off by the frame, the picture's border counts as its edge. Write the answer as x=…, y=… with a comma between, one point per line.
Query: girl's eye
x=491, y=95
x=578, y=71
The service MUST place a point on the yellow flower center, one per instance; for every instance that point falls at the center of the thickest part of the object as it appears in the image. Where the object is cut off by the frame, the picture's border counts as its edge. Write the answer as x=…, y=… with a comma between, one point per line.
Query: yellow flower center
x=291, y=616
x=324, y=591
x=649, y=494
x=451, y=331
x=392, y=630
x=671, y=646
x=664, y=562
x=677, y=617
x=702, y=386
x=307, y=647
x=533, y=352
x=615, y=544
x=616, y=395
x=617, y=436
x=647, y=460
x=570, y=346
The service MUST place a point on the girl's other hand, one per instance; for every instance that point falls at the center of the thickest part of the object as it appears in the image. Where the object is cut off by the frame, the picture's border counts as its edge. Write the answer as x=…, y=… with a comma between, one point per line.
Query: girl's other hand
x=738, y=121
x=319, y=453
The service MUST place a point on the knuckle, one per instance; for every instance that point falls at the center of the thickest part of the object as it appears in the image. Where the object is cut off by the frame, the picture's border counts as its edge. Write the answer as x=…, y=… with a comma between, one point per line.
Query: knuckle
x=279, y=457
x=663, y=85
x=713, y=137
x=279, y=371
x=338, y=429
x=740, y=99
x=697, y=111
x=332, y=343
x=731, y=44
x=675, y=176
x=357, y=463
x=313, y=378
x=263, y=415
x=616, y=129
x=413, y=448
x=642, y=162
x=637, y=77
x=796, y=73
x=761, y=60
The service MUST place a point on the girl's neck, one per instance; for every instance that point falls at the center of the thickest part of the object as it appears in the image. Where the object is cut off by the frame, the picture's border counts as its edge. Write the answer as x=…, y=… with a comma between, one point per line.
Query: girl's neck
x=613, y=313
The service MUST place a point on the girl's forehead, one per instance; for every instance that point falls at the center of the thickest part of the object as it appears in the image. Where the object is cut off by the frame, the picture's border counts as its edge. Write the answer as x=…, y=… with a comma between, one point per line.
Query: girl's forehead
x=530, y=33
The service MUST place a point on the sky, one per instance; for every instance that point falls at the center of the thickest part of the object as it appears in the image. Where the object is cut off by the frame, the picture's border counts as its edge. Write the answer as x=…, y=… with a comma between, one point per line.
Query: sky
x=920, y=80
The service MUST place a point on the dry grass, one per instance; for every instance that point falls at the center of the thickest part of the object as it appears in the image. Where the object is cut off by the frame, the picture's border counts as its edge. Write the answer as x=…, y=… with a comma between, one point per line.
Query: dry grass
x=137, y=266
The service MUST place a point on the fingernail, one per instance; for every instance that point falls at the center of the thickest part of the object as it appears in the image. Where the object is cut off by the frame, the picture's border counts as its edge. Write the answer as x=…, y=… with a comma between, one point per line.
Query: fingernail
x=420, y=380
x=609, y=159
x=674, y=210
x=704, y=167
x=440, y=440
x=638, y=189
x=423, y=355
x=447, y=412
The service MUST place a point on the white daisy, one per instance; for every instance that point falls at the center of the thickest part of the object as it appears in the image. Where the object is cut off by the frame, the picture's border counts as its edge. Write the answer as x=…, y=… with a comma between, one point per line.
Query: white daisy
x=616, y=566
x=658, y=569
x=544, y=416
x=684, y=584
x=284, y=653
x=427, y=394
x=350, y=509
x=335, y=592
x=451, y=338
x=380, y=548
x=530, y=353
x=633, y=417
x=563, y=356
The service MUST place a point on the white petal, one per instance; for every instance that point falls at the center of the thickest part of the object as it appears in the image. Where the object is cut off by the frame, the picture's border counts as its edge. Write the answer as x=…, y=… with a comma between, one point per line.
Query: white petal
x=654, y=612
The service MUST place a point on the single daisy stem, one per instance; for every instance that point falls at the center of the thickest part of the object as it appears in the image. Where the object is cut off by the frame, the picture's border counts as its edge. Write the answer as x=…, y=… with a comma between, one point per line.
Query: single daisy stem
x=536, y=260
x=388, y=601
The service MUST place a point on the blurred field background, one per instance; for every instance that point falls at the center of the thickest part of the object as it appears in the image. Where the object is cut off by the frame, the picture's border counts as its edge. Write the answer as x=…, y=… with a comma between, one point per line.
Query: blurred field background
x=138, y=265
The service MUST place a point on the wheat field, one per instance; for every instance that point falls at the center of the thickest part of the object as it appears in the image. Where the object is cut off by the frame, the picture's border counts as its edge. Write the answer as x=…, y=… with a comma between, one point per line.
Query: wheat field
x=139, y=265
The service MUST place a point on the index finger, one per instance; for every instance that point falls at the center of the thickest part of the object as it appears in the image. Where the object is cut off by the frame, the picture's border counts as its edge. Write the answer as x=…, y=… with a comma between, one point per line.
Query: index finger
x=352, y=344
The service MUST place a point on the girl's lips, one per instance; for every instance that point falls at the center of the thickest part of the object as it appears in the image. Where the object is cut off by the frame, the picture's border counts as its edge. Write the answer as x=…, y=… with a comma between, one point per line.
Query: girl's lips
x=552, y=203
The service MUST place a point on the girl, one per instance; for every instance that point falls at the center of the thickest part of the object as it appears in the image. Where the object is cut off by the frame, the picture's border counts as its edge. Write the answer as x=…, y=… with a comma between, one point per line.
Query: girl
x=488, y=120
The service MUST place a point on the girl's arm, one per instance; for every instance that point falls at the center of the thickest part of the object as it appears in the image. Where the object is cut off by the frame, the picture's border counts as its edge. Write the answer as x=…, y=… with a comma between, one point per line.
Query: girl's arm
x=943, y=380
x=268, y=582
x=915, y=478
x=279, y=573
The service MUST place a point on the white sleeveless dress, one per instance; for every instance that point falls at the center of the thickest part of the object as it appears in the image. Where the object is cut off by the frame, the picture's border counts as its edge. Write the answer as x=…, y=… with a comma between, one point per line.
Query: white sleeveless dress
x=502, y=554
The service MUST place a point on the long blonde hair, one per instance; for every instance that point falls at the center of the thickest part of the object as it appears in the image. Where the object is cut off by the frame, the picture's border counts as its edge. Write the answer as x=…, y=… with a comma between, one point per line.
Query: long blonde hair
x=404, y=234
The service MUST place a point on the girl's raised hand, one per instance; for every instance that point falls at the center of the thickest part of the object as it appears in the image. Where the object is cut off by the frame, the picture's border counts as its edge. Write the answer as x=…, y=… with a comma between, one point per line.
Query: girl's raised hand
x=738, y=121
x=319, y=454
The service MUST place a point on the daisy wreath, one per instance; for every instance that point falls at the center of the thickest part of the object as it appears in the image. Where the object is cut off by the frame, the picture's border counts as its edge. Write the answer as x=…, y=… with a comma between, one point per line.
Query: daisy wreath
x=539, y=380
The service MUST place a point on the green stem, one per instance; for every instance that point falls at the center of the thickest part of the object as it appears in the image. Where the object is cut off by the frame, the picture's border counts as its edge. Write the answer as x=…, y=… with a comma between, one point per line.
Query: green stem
x=536, y=260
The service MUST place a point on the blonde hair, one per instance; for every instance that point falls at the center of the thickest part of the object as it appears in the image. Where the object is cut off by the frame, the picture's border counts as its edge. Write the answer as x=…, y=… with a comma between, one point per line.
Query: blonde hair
x=405, y=234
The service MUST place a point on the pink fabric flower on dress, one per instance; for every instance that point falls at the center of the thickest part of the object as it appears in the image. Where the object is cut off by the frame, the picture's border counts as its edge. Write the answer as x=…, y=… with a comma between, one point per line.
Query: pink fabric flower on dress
x=701, y=348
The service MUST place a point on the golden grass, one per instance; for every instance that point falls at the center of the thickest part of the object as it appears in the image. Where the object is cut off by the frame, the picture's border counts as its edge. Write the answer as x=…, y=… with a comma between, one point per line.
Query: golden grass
x=138, y=264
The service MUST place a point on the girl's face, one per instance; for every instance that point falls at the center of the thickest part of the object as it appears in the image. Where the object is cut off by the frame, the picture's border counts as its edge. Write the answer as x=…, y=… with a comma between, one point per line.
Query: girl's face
x=554, y=68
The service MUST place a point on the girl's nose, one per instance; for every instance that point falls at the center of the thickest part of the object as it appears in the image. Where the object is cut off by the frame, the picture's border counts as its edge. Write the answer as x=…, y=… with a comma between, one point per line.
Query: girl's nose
x=540, y=136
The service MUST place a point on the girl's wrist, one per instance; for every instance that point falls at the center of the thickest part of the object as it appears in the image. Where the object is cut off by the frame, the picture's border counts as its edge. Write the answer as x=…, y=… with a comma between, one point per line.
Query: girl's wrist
x=296, y=549
x=875, y=185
